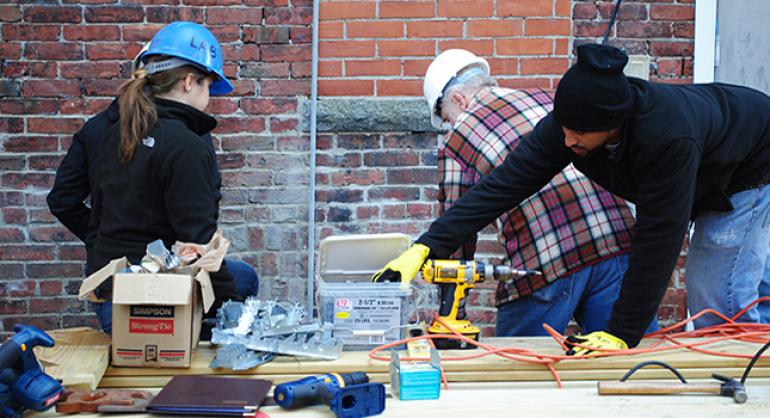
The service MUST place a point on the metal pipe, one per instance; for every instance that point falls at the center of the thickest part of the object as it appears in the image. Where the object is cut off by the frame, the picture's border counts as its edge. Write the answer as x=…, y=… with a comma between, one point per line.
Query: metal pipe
x=311, y=184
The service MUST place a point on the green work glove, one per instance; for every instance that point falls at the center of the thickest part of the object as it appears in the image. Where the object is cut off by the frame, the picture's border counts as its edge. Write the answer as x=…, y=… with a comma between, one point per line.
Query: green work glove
x=404, y=267
x=599, y=340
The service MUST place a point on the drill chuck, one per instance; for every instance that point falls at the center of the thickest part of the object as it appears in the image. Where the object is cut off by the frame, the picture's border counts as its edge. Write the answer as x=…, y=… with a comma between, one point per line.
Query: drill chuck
x=506, y=273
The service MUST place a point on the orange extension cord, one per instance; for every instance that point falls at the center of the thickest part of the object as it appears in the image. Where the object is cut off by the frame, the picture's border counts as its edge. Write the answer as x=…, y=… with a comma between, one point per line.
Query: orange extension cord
x=668, y=340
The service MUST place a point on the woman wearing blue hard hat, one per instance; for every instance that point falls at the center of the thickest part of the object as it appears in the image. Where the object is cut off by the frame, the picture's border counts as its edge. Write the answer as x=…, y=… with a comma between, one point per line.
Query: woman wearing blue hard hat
x=154, y=178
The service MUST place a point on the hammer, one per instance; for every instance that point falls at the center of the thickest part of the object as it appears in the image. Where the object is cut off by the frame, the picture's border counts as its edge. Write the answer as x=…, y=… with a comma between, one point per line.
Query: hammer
x=725, y=386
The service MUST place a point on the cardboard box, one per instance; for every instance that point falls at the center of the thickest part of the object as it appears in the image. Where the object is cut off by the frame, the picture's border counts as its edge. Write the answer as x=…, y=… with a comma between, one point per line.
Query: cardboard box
x=156, y=318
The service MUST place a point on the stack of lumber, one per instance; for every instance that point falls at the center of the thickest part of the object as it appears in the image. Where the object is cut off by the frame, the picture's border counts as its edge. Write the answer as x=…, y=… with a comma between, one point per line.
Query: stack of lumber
x=491, y=368
x=78, y=358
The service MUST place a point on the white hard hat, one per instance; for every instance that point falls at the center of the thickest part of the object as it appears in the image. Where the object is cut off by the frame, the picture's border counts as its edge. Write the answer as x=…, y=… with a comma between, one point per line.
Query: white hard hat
x=137, y=62
x=441, y=71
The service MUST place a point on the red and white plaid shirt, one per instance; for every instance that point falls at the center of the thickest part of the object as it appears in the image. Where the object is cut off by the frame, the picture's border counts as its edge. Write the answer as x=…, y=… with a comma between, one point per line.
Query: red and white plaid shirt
x=570, y=223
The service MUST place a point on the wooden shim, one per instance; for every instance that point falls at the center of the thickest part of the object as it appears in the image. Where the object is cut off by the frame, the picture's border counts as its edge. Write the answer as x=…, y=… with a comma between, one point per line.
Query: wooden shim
x=359, y=361
x=79, y=358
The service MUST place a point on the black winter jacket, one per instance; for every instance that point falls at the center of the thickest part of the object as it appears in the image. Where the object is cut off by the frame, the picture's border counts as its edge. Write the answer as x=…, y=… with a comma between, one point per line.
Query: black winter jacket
x=684, y=150
x=76, y=179
x=165, y=192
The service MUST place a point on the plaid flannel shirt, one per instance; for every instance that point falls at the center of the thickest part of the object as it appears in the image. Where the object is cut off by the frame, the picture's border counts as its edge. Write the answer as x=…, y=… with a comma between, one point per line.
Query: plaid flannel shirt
x=570, y=223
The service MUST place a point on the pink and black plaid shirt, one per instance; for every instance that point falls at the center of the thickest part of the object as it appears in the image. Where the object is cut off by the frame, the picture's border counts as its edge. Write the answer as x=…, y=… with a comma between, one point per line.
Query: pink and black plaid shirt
x=570, y=223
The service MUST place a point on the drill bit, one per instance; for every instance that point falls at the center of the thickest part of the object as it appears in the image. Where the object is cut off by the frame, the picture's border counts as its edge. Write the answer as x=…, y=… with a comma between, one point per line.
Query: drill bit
x=506, y=273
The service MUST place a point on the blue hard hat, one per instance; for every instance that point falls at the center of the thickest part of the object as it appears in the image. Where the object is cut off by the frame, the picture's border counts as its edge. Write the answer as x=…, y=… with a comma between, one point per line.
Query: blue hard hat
x=194, y=43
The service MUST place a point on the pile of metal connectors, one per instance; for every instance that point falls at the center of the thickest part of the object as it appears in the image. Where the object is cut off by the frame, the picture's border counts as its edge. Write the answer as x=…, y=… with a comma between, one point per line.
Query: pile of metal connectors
x=254, y=331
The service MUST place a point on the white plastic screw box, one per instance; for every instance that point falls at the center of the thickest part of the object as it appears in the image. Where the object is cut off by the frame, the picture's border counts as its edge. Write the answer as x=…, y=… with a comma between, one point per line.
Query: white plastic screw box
x=364, y=314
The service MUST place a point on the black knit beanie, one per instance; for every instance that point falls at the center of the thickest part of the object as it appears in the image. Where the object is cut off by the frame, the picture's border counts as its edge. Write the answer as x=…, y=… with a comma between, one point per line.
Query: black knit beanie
x=594, y=94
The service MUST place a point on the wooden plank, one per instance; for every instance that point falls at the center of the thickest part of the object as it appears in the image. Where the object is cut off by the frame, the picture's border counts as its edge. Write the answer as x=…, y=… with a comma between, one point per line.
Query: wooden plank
x=535, y=400
x=79, y=358
x=359, y=361
x=465, y=376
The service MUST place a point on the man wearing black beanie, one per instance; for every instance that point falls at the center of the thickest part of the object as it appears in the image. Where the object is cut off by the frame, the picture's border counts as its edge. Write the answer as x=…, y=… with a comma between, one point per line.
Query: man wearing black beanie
x=680, y=153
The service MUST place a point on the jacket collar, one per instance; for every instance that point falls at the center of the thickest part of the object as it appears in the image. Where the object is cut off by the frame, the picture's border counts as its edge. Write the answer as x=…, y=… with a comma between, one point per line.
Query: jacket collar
x=199, y=122
x=113, y=112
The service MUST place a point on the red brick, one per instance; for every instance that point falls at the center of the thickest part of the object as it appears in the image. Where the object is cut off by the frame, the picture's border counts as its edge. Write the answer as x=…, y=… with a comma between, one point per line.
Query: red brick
x=377, y=67
x=90, y=69
x=285, y=87
x=301, y=35
x=358, y=177
x=10, y=13
x=412, y=176
x=78, y=106
x=11, y=125
x=301, y=69
x=30, y=144
x=92, y=33
x=407, y=48
x=266, y=35
x=44, y=162
x=225, y=34
x=375, y=29
x=526, y=83
x=645, y=29
x=346, y=49
x=52, y=14
x=494, y=27
x=524, y=46
x=589, y=29
x=100, y=51
x=479, y=47
x=234, y=15
x=524, y=8
x=31, y=32
x=562, y=8
x=250, y=124
x=39, y=69
x=671, y=48
x=26, y=252
x=628, y=11
x=53, y=287
x=544, y=65
x=210, y=2
x=163, y=14
x=288, y=15
x=329, y=30
x=16, y=216
x=433, y=29
x=243, y=88
x=399, y=87
x=286, y=53
x=10, y=51
x=669, y=67
x=362, y=212
x=416, y=67
x=262, y=106
x=504, y=66
x=222, y=106
x=54, y=305
x=345, y=87
x=54, y=125
x=10, y=307
x=72, y=252
x=28, y=106
x=684, y=30
x=105, y=14
x=96, y=87
x=12, y=163
x=347, y=10
x=561, y=46
x=330, y=68
x=547, y=27
x=240, y=52
x=53, y=51
x=670, y=12
x=465, y=8
x=407, y=9
x=278, y=125
x=585, y=11
x=141, y=33
x=11, y=235
x=51, y=88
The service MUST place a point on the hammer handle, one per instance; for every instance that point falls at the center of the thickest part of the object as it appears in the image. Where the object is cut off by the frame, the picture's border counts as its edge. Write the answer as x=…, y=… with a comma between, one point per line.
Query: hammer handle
x=657, y=388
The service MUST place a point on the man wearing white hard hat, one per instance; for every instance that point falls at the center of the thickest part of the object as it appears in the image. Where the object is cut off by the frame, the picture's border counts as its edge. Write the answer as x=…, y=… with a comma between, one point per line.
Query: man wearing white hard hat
x=573, y=231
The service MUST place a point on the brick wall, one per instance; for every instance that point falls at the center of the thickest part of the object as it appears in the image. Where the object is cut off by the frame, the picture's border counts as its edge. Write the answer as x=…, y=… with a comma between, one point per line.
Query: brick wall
x=376, y=155
x=62, y=63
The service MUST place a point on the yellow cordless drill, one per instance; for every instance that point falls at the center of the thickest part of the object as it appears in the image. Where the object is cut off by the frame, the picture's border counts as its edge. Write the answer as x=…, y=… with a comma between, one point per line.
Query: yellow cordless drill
x=454, y=279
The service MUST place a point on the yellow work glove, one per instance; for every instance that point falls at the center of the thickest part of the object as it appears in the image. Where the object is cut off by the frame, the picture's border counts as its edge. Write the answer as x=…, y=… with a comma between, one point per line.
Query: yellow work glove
x=598, y=340
x=404, y=267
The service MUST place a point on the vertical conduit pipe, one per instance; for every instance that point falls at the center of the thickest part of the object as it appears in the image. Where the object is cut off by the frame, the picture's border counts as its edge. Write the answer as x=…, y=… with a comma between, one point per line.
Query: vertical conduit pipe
x=311, y=183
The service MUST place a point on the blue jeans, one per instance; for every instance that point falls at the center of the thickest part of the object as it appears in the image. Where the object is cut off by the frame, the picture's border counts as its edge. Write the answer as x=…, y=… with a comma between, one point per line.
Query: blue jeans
x=587, y=295
x=245, y=279
x=727, y=262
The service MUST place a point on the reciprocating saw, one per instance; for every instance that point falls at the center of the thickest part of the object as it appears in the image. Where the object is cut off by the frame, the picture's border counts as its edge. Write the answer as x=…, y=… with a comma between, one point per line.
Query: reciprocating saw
x=455, y=278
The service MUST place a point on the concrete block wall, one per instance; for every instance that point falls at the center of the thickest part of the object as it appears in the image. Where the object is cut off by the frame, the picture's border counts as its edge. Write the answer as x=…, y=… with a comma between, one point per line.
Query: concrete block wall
x=62, y=61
